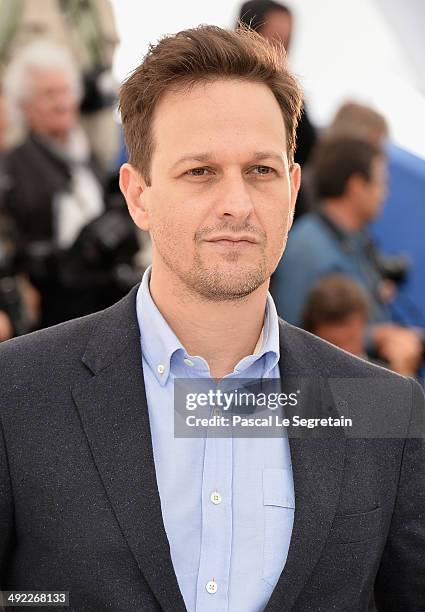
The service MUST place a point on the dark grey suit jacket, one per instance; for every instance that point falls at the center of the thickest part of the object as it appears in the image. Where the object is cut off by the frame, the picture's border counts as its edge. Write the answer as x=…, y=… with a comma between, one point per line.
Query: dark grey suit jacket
x=79, y=504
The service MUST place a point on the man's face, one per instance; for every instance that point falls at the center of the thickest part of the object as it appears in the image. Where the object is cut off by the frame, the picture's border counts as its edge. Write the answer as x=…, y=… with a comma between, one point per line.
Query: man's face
x=277, y=28
x=221, y=197
x=373, y=192
x=51, y=109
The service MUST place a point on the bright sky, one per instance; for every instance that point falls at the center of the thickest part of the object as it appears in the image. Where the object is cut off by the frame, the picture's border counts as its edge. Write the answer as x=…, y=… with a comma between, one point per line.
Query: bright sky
x=341, y=50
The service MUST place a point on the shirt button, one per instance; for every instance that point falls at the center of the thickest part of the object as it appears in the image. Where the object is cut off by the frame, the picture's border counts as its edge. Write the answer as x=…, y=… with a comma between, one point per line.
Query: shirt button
x=161, y=368
x=216, y=498
x=188, y=362
x=217, y=412
x=211, y=587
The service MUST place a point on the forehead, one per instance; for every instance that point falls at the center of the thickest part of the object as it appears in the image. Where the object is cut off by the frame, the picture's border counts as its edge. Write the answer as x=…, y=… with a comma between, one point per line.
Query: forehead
x=49, y=77
x=278, y=17
x=277, y=21
x=218, y=115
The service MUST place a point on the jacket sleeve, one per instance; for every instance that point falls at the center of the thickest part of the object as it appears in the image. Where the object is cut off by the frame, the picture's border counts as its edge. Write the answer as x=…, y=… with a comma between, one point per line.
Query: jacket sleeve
x=6, y=511
x=400, y=582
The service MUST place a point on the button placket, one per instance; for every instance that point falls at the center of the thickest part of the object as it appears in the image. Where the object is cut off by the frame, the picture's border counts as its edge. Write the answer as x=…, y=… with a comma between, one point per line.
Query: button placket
x=216, y=537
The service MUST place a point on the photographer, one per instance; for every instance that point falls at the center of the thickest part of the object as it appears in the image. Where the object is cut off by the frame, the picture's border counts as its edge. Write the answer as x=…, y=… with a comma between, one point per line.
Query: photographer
x=350, y=180
x=54, y=188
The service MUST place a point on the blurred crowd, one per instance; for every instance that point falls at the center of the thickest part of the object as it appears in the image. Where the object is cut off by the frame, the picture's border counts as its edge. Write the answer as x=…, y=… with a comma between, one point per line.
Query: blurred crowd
x=68, y=246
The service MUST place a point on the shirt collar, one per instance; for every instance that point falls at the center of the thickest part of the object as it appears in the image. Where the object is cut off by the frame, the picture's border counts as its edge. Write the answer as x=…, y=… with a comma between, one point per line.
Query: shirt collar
x=159, y=342
x=268, y=348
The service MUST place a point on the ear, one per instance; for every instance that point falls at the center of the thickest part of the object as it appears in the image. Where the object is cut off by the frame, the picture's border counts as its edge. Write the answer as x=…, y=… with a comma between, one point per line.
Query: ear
x=295, y=182
x=134, y=188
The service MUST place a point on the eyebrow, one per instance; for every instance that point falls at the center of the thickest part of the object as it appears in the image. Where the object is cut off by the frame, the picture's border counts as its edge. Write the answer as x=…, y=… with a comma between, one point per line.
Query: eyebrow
x=208, y=157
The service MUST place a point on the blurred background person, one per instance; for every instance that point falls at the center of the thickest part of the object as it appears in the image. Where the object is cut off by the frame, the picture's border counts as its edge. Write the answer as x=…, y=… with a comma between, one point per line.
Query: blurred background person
x=55, y=194
x=352, y=120
x=360, y=121
x=351, y=183
x=398, y=230
x=275, y=22
x=337, y=310
x=88, y=31
x=54, y=185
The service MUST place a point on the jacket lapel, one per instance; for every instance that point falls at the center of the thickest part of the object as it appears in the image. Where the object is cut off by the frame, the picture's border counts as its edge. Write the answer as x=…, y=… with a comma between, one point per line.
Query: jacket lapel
x=113, y=409
x=317, y=465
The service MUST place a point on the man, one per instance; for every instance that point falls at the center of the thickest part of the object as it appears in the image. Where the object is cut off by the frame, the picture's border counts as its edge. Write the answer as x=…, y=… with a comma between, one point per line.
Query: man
x=337, y=310
x=54, y=188
x=88, y=31
x=350, y=177
x=398, y=229
x=98, y=497
x=360, y=121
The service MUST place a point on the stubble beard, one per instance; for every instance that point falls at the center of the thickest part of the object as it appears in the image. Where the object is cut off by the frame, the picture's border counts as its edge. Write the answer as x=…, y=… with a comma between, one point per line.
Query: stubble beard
x=230, y=277
x=216, y=284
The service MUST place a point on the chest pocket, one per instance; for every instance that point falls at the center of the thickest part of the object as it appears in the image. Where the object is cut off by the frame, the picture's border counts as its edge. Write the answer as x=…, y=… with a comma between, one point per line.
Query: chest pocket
x=351, y=528
x=278, y=507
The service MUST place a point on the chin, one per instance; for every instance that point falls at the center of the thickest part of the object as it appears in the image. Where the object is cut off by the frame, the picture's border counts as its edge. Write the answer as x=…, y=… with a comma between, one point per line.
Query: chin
x=223, y=283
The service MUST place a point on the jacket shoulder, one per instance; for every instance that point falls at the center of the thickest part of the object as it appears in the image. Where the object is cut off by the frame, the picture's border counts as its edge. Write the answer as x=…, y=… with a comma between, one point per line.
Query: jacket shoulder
x=324, y=359
x=48, y=346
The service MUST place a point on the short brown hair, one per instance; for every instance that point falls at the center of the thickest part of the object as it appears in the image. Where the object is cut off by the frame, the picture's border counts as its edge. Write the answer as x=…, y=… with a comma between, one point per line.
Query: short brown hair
x=337, y=158
x=203, y=54
x=332, y=299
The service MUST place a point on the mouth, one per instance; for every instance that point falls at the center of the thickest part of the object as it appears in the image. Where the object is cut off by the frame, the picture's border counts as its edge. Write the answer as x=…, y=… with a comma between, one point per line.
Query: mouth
x=233, y=241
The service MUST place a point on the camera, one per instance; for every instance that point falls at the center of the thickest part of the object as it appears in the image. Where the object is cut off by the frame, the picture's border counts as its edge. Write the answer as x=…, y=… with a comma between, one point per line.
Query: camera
x=394, y=268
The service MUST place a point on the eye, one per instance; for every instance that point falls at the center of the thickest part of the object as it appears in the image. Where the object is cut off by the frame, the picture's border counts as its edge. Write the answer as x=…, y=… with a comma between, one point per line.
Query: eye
x=198, y=171
x=263, y=170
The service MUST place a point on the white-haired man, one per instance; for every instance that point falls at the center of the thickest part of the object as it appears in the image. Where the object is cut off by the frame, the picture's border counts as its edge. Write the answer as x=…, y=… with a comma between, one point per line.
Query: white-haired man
x=54, y=188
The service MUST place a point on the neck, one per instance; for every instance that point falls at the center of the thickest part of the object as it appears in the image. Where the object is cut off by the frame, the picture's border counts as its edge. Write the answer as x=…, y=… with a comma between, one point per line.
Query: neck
x=220, y=332
x=60, y=139
x=344, y=213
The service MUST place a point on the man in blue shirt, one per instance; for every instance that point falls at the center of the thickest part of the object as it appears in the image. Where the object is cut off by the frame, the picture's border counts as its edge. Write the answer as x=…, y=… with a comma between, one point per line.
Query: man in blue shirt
x=350, y=180
x=217, y=198
x=99, y=496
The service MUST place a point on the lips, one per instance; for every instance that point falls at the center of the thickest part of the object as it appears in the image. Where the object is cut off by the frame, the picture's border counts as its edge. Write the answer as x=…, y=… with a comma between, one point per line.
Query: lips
x=230, y=239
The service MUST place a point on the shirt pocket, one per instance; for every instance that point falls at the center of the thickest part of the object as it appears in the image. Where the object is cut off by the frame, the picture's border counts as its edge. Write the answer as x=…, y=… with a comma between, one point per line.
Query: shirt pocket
x=278, y=508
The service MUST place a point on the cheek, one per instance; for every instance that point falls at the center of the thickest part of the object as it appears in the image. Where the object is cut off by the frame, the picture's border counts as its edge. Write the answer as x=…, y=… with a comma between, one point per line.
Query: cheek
x=276, y=225
x=169, y=225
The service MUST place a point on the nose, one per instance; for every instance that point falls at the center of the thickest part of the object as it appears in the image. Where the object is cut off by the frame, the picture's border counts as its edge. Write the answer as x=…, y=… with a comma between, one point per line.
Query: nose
x=233, y=199
x=63, y=98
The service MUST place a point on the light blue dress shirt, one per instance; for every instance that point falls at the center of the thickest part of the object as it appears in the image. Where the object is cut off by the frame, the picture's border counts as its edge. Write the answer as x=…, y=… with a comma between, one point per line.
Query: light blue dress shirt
x=227, y=503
